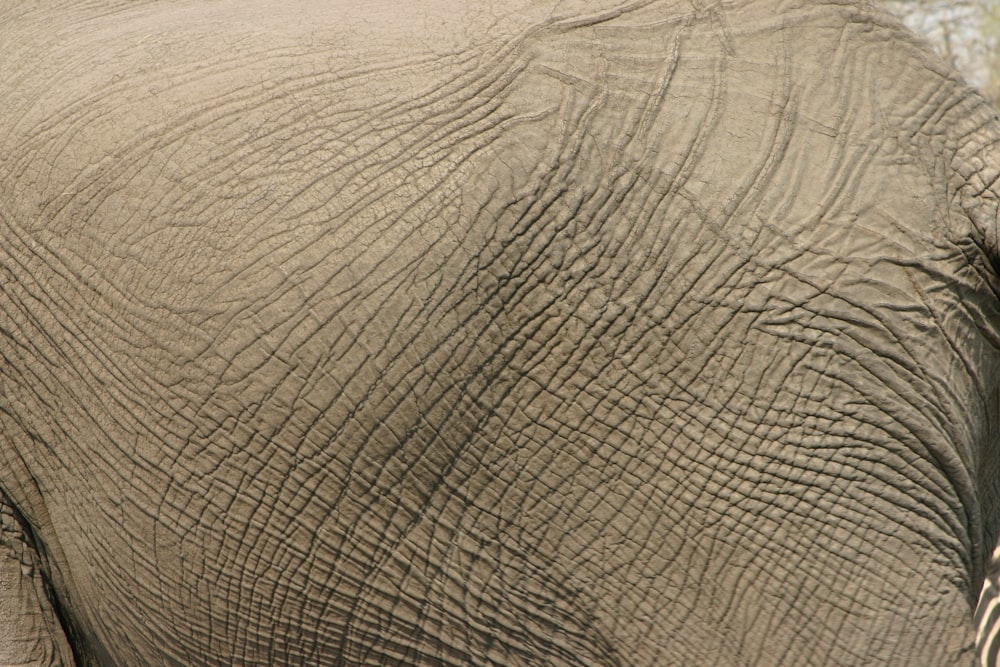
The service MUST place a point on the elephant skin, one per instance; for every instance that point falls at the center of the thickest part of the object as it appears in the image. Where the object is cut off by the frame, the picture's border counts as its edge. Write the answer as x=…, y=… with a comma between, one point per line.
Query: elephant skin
x=508, y=333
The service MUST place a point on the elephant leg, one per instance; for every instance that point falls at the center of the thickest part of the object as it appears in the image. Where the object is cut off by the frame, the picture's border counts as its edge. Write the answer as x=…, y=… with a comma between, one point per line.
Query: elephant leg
x=988, y=615
x=30, y=632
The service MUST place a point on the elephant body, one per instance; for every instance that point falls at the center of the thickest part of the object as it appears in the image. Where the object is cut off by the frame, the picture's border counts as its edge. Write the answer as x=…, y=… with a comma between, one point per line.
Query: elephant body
x=517, y=333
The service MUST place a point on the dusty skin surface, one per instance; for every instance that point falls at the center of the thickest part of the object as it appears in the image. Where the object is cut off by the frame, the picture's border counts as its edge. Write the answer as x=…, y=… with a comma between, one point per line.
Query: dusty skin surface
x=380, y=333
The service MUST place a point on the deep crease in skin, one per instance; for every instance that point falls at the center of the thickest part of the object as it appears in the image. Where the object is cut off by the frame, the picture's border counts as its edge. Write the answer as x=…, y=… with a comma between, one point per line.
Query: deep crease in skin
x=610, y=334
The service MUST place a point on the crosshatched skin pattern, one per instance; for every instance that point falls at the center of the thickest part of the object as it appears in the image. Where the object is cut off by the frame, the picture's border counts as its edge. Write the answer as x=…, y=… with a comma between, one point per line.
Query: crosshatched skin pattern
x=503, y=333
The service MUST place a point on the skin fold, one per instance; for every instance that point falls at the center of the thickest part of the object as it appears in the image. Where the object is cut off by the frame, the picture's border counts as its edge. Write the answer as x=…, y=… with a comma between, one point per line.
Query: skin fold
x=504, y=333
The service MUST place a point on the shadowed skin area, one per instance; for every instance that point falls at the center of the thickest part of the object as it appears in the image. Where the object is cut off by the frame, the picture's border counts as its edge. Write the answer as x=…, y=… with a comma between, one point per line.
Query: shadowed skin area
x=532, y=333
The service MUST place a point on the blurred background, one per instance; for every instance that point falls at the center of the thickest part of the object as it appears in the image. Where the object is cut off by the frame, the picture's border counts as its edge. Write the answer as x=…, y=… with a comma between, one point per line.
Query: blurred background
x=966, y=32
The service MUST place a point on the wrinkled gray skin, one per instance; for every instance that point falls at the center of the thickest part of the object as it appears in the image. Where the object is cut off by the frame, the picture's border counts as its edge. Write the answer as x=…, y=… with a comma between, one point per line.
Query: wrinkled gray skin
x=521, y=333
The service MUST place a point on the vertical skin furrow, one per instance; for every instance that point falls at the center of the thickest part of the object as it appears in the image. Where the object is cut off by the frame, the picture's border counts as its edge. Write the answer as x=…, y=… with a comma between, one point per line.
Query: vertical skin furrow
x=30, y=630
x=605, y=334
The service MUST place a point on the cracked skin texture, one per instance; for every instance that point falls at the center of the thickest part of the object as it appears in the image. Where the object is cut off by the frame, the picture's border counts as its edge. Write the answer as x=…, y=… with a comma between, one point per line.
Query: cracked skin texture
x=538, y=333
